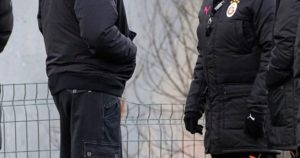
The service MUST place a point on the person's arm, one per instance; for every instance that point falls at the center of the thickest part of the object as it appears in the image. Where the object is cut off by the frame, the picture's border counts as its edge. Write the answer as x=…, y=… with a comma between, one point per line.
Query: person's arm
x=196, y=98
x=281, y=64
x=264, y=18
x=6, y=22
x=39, y=17
x=297, y=57
x=263, y=21
x=97, y=19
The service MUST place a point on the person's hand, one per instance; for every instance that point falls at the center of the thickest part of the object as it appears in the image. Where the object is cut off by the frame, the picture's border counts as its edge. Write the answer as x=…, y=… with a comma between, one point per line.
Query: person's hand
x=254, y=125
x=191, y=122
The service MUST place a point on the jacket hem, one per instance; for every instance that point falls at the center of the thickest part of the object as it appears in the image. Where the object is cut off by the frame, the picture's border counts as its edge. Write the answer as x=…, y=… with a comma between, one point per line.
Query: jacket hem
x=64, y=81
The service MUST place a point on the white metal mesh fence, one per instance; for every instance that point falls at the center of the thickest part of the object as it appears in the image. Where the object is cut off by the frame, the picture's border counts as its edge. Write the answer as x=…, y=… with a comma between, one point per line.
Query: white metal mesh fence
x=30, y=127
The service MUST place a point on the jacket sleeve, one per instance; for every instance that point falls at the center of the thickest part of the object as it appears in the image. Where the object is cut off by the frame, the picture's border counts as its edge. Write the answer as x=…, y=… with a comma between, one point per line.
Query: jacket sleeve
x=6, y=22
x=263, y=19
x=39, y=17
x=97, y=21
x=280, y=67
x=297, y=60
x=196, y=99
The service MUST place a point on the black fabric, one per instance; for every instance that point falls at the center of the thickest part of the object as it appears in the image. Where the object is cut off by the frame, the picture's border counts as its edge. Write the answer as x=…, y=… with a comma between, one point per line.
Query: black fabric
x=60, y=82
x=282, y=78
x=6, y=22
x=191, y=122
x=297, y=84
x=90, y=124
x=229, y=77
x=254, y=125
x=196, y=98
x=87, y=38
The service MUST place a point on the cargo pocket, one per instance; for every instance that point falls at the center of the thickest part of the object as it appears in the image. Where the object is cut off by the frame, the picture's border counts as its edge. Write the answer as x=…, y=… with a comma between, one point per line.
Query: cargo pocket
x=111, y=117
x=94, y=150
x=235, y=106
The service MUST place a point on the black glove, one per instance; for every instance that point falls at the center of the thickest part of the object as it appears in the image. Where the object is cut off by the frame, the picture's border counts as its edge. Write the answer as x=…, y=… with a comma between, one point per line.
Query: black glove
x=191, y=122
x=254, y=125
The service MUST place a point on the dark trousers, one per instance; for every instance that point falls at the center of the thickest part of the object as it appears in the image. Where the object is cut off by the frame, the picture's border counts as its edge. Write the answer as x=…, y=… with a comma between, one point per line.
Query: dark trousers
x=245, y=155
x=90, y=124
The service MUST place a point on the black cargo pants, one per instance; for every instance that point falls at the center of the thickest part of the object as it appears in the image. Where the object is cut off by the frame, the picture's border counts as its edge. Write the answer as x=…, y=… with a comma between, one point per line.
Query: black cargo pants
x=90, y=124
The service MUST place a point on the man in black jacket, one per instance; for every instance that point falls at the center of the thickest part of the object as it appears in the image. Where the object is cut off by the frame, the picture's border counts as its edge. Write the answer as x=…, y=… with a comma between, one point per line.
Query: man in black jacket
x=235, y=41
x=283, y=79
x=6, y=22
x=90, y=56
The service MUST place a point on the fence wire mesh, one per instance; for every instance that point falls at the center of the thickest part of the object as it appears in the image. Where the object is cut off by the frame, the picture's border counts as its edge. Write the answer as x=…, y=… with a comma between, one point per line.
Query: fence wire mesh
x=30, y=127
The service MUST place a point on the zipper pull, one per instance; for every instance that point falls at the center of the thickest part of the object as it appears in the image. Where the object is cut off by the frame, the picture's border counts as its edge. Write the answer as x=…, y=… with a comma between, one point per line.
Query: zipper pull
x=219, y=5
x=74, y=91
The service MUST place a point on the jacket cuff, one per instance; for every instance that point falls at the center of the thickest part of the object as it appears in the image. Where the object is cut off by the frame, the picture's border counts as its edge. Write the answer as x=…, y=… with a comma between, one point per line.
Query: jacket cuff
x=132, y=35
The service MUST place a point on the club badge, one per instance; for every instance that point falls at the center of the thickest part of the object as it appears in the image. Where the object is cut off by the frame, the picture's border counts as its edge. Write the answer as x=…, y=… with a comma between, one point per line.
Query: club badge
x=232, y=8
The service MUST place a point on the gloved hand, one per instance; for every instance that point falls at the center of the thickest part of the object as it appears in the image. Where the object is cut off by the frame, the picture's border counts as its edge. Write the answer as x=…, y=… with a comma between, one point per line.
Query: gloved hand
x=191, y=122
x=254, y=125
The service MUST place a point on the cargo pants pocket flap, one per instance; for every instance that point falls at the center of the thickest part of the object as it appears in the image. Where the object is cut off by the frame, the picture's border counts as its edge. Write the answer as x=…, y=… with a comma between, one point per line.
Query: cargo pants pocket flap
x=95, y=150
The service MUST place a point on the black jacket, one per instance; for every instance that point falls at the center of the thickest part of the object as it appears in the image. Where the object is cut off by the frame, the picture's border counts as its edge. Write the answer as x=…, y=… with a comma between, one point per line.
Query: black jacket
x=297, y=82
x=87, y=44
x=6, y=22
x=229, y=78
x=282, y=80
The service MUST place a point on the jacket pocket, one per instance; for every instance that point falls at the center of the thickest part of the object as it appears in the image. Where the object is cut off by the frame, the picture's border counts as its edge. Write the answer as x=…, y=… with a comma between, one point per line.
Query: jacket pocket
x=111, y=131
x=111, y=106
x=278, y=100
x=95, y=150
x=235, y=106
x=246, y=36
x=236, y=91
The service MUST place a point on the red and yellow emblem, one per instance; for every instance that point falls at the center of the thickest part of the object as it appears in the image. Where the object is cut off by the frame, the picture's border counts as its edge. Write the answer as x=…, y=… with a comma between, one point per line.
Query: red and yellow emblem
x=232, y=8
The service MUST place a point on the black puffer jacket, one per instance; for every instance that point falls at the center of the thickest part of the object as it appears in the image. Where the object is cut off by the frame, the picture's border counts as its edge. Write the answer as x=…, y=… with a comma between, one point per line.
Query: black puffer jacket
x=232, y=64
x=6, y=22
x=297, y=82
x=88, y=44
x=282, y=78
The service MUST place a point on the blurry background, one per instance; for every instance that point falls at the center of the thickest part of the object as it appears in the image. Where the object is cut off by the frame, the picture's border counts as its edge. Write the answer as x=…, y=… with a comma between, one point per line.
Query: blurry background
x=166, y=48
